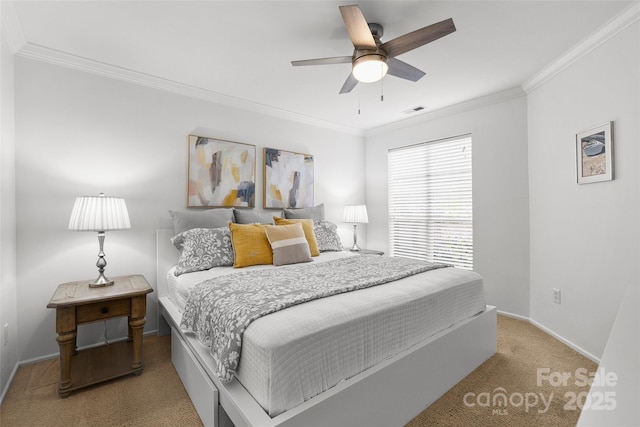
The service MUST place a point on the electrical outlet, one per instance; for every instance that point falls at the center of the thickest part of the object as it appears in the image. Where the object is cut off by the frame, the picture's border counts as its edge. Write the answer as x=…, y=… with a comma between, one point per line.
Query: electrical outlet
x=557, y=296
x=5, y=333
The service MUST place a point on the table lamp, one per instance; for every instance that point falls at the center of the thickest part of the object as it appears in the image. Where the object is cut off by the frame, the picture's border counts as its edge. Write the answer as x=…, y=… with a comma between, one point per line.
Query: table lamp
x=356, y=214
x=99, y=213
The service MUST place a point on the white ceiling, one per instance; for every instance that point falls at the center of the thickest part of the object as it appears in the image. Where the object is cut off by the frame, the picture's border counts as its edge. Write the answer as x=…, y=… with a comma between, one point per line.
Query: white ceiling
x=243, y=49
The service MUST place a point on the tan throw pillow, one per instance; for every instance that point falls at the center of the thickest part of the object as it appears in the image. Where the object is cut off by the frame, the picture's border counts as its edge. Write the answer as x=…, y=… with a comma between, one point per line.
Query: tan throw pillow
x=288, y=244
x=307, y=226
x=250, y=245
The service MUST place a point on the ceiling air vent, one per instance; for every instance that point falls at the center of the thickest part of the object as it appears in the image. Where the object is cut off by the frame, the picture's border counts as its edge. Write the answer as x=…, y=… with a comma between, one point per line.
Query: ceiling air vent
x=414, y=109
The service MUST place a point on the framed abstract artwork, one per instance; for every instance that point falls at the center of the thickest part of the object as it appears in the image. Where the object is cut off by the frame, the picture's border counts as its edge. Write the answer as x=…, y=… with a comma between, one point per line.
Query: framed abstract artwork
x=220, y=173
x=594, y=154
x=288, y=179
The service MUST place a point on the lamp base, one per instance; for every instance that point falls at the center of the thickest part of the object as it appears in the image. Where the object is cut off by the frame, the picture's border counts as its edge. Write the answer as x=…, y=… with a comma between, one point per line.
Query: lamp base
x=101, y=281
x=101, y=264
x=355, y=247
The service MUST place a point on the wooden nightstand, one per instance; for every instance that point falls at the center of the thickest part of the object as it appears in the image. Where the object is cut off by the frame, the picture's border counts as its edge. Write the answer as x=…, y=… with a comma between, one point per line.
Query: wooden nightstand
x=76, y=303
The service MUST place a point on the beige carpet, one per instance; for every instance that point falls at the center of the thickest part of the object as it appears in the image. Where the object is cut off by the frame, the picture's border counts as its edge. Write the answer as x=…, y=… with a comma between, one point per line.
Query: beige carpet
x=157, y=397
x=522, y=349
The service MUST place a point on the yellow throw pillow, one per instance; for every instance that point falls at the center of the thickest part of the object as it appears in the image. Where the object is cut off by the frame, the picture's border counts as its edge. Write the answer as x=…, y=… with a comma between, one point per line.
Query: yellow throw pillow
x=250, y=245
x=288, y=244
x=307, y=226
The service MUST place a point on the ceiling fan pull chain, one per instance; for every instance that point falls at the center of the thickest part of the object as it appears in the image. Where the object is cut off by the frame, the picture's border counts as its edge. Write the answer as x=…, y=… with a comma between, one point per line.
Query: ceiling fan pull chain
x=381, y=90
x=358, y=101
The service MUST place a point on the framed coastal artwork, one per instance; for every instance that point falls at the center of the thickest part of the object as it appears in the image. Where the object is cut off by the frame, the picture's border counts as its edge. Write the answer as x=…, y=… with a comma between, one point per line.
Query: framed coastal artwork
x=220, y=173
x=288, y=179
x=594, y=154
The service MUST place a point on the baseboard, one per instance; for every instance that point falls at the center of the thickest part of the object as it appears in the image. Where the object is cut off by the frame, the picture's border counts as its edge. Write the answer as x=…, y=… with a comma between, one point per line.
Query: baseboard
x=553, y=334
x=577, y=348
x=514, y=316
x=6, y=388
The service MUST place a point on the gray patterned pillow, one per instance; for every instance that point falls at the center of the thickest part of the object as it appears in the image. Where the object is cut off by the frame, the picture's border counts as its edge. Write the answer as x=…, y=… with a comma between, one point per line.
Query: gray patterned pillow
x=327, y=235
x=202, y=249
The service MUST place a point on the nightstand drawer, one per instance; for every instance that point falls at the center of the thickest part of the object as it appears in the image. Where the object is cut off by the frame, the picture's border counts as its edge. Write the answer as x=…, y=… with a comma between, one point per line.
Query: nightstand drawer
x=103, y=310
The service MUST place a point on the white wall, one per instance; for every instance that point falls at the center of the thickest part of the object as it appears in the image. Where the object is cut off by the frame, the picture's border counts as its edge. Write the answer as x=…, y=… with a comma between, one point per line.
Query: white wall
x=584, y=238
x=78, y=133
x=8, y=309
x=500, y=191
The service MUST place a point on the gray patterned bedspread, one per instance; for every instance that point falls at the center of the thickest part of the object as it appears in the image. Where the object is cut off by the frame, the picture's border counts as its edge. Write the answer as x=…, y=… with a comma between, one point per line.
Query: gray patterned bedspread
x=219, y=310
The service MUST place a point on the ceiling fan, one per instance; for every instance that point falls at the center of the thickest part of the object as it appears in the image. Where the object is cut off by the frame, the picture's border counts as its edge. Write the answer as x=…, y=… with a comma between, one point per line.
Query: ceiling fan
x=372, y=59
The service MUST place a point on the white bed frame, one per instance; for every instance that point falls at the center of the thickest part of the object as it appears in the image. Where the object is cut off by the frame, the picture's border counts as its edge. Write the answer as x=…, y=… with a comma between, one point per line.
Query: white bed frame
x=389, y=394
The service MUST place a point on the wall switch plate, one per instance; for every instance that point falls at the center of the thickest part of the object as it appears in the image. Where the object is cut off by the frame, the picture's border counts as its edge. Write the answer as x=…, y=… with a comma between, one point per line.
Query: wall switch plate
x=5, y=333
x=557, y=296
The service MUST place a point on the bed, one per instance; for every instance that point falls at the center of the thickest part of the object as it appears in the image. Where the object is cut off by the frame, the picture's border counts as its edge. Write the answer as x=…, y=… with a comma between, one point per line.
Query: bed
x=389, y=388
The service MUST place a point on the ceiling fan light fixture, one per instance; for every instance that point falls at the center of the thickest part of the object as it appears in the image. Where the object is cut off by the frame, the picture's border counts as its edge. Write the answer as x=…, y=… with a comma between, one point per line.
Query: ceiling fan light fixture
x=370, y=68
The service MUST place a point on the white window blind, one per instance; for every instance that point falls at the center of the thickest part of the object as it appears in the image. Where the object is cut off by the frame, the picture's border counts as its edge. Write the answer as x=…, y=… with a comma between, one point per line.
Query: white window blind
x=430, y=202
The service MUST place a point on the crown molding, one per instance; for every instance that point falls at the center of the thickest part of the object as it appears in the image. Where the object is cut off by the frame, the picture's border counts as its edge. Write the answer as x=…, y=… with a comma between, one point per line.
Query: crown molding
x=614, y=26
x=52, y=56
x=11, y=28
x=462, y=107
x=12, y=32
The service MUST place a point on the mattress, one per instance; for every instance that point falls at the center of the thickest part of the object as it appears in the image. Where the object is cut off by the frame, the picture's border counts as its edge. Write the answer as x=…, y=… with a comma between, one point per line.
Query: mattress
x=297, y=353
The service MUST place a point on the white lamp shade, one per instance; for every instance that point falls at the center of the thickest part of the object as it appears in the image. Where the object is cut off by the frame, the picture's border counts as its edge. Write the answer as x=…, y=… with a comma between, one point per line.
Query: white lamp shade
x=356, y=214
x=99, y=213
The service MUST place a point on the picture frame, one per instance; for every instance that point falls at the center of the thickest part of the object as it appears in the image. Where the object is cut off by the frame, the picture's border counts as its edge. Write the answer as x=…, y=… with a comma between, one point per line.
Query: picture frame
x=220, y=173
x=594, y=154
x=288, y=179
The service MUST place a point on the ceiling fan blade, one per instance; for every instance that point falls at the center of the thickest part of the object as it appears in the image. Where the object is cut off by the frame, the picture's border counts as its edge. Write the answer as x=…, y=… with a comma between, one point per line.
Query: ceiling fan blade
x=417, y=38
x=357, y=26
x=349, y=84
x=403, y=70
x=323, y=61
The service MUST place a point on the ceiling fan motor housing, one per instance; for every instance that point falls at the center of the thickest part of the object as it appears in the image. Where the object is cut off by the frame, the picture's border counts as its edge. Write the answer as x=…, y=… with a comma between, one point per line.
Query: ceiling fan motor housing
x=376, y=31
x=370, y=65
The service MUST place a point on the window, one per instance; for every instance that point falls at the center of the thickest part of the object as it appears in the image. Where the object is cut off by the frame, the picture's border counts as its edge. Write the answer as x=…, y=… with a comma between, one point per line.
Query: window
x=430, y=202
